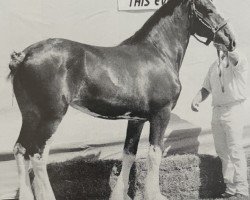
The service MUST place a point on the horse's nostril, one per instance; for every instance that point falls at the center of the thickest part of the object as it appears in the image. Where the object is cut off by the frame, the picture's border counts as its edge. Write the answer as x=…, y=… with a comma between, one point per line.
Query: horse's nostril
x=233, y=44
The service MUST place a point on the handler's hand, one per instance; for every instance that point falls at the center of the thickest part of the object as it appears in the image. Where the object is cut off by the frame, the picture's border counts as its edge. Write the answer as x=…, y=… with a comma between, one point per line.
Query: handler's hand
x=195, y=106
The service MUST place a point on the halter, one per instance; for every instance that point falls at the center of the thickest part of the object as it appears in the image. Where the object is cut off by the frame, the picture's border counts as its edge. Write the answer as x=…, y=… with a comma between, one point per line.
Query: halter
x=195, y=13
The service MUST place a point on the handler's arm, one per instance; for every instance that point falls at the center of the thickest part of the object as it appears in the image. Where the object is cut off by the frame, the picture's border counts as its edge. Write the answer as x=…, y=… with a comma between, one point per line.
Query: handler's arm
x=201, y=96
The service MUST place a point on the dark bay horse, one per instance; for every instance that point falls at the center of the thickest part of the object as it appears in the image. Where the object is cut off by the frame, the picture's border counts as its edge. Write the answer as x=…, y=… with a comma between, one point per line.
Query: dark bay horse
x=137, y=80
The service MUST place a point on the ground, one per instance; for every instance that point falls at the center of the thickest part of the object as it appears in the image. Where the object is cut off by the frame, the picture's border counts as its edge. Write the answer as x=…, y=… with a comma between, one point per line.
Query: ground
x=85, y=171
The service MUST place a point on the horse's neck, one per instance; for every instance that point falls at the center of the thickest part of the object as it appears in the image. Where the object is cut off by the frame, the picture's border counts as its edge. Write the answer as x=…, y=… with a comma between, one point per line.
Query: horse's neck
x=171, y=36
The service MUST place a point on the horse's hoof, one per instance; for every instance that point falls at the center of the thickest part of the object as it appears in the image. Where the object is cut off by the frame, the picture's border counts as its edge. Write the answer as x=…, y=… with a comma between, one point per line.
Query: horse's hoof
x=161, y=197
x=157, y=197
x=127, y=198
x=26, y=197
x=119, y=197
x=13, y=195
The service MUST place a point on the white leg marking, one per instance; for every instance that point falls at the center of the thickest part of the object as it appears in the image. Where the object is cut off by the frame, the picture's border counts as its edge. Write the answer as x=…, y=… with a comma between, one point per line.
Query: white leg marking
x=152, y=187
x=25, y=192
x=42, y=187
x=120, y=192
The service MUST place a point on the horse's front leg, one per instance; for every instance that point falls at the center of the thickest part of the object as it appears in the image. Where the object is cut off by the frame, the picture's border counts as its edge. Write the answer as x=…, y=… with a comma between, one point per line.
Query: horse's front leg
x=120, y=192
x=158, y=124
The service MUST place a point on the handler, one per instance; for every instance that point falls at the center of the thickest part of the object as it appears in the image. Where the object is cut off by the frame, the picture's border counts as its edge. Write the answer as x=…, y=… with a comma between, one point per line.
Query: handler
x=228, y=119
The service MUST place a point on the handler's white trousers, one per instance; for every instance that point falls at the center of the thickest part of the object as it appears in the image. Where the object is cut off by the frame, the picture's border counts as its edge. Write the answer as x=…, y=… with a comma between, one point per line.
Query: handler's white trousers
x=227, y=127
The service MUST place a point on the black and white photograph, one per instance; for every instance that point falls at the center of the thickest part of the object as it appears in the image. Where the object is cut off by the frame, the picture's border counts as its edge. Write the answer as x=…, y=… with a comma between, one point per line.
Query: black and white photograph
x=124, y=100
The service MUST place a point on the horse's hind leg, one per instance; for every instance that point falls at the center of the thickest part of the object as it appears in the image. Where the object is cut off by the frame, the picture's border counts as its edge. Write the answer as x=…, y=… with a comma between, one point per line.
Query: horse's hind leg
x=23, y=167
x=40, y=121
x=20, y=151
x=129, y=152
x=33, y=145
x=39, y=156
x=158, y=124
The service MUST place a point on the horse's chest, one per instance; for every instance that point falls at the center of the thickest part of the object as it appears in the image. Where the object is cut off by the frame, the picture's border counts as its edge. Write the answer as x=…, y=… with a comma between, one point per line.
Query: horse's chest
x=165, y=88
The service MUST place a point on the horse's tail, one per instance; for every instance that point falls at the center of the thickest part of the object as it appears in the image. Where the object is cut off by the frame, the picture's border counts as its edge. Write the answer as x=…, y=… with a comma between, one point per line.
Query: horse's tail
x=16, y=60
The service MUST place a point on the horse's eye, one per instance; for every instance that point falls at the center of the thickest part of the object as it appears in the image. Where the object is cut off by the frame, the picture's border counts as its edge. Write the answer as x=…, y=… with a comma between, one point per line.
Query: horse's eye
x=209, y=11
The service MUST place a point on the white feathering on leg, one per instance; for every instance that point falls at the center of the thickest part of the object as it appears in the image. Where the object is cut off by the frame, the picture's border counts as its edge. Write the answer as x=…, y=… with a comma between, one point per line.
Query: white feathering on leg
x=41, y=182
x=25, y=192
x=152, y=187
x=121, y=188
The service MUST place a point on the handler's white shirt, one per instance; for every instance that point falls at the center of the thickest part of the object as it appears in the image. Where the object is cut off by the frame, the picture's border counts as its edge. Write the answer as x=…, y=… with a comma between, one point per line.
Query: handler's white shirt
x=235, y=82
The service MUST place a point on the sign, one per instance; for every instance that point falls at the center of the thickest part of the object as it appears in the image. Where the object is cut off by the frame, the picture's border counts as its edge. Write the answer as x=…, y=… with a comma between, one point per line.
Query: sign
x=140, y=4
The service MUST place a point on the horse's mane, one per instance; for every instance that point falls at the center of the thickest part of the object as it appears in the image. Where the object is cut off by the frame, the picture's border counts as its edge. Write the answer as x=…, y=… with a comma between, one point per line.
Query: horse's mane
x=166, y=10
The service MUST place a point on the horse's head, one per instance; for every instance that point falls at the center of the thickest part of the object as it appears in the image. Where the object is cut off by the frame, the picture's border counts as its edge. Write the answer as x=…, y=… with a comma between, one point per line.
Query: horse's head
x=207, y=22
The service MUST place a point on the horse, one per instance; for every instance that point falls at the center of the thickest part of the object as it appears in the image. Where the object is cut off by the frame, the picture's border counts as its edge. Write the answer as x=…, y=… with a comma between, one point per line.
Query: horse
x=137, y=80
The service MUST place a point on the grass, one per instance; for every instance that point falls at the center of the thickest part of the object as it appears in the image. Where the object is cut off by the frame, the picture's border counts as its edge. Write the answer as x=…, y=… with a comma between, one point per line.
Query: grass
x=181, y=177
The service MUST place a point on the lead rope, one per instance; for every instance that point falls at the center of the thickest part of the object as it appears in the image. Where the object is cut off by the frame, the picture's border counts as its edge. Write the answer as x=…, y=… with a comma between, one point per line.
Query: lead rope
x=220, y=71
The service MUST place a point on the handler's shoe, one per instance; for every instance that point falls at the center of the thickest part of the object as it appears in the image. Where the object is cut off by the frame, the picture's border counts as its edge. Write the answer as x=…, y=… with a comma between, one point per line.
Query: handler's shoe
x=226, y=195
x=241, y=197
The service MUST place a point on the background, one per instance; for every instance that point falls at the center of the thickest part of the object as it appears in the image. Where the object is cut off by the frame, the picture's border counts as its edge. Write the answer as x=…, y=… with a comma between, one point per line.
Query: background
x=98, y=22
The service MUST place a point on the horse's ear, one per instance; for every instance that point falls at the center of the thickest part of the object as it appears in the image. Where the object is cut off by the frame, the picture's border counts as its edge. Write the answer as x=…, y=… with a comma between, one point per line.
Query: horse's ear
x=192, y=2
